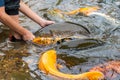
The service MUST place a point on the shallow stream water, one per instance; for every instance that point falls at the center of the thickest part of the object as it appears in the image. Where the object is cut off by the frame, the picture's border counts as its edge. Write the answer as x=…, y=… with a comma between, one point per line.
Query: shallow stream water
x=18, y=60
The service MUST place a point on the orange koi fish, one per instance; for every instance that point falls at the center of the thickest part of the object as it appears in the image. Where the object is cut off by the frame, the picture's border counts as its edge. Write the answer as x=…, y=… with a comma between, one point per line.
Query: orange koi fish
x=47, y=40
x=84, y=10
x=43, y=40
x=47, y=63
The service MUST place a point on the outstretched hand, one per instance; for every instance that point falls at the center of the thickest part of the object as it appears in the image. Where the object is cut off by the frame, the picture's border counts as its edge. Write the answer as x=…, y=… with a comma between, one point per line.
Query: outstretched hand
x=45, y=23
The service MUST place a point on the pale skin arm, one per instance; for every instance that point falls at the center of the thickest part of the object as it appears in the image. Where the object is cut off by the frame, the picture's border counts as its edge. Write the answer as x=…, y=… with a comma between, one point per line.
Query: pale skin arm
x=13, y=25
x=7, y=20
x=28, y=12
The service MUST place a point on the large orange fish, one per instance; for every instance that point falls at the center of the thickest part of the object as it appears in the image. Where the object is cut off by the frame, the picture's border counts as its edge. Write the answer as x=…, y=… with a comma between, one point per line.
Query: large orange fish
x=44, y=40
x=47, y=40
x=47, y=63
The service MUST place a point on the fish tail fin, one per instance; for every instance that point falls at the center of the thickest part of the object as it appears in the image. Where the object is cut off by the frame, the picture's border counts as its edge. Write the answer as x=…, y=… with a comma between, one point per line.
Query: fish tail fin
x=95, y=75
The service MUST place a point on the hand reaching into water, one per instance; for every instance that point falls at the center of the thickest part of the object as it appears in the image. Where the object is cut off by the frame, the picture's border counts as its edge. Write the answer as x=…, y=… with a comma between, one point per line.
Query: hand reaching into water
x=35, y=17
x=45, y=23
x=28, y=36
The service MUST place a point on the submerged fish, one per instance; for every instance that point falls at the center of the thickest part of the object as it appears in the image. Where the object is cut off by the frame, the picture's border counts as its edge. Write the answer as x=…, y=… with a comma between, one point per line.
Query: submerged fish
x=58, y=36
x=84, y=10
x=45, y=40
x=47, y=63
x=110, y=69
x=56, y=12
x=115, y=22
x=50, y=40
x=81, y=44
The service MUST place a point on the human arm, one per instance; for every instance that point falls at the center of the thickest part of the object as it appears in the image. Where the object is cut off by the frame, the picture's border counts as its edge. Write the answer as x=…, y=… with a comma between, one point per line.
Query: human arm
x=28, y=12
x=7, y=20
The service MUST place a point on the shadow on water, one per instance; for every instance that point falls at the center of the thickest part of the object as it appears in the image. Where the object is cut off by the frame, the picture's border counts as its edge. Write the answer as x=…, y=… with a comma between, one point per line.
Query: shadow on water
x=18, y=60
